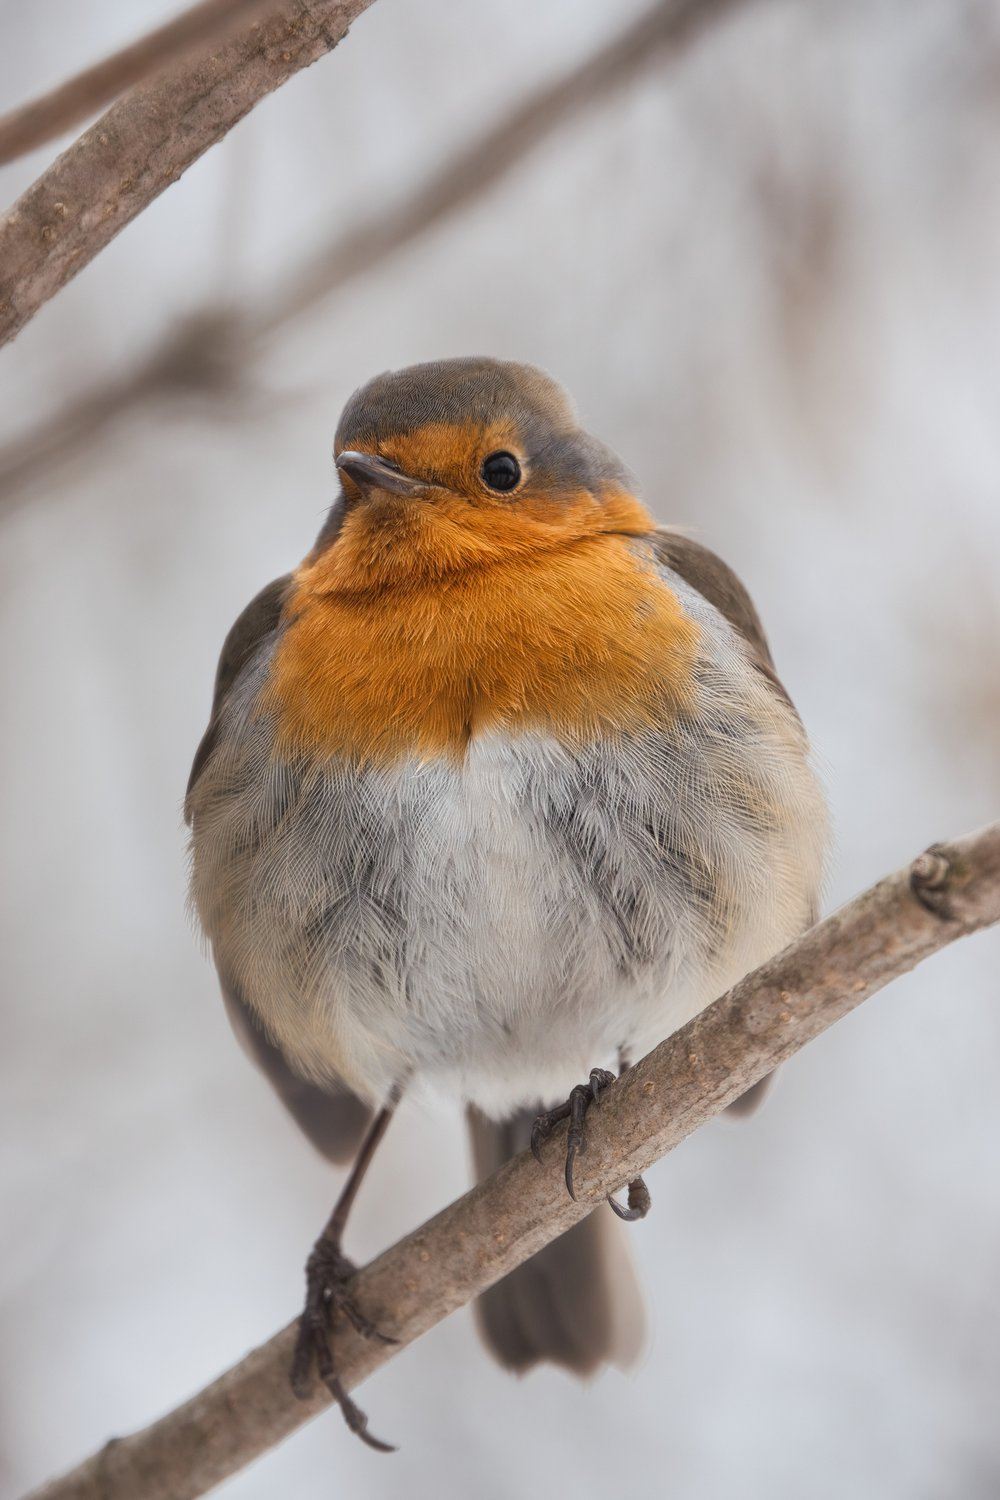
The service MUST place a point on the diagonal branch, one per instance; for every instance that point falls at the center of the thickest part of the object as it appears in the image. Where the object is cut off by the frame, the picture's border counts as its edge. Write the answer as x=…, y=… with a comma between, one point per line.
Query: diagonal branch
x=659, y=34
x=146, y=141
x=204, y=357
x=950, y=891
x=42, y=119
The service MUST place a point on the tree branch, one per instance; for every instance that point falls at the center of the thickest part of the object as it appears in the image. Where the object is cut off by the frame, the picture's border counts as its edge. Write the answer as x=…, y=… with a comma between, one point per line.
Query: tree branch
x=42, y=119
x=948, y=892
x=658, y=34
x=146, y=141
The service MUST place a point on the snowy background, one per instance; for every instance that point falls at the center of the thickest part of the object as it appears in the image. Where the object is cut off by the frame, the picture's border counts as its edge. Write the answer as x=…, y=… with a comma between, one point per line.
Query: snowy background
x=769, y=272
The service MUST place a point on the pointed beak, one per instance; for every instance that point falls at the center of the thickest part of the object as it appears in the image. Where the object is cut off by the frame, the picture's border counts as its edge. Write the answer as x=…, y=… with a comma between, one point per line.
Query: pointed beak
x=371, y=473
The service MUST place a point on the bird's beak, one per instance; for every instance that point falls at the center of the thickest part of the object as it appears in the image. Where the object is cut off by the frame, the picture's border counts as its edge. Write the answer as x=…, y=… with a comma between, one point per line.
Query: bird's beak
x=371, y=473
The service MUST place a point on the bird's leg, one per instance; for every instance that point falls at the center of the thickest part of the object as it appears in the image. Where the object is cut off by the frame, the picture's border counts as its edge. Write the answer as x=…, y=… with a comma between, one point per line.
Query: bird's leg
x=328, y=1276
x=575, y=1109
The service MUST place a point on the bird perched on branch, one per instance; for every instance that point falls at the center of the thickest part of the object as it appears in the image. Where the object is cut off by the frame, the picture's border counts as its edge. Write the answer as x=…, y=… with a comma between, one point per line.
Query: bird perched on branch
x=499, y=789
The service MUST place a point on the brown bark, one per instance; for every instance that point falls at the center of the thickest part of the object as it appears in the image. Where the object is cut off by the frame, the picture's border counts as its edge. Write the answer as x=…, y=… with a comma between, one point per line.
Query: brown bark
x=146, y=141
x=948, y=892
x=42, y=119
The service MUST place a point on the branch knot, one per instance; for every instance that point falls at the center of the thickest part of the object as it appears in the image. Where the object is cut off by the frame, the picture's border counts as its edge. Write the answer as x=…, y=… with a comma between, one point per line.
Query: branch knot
x=929, y=877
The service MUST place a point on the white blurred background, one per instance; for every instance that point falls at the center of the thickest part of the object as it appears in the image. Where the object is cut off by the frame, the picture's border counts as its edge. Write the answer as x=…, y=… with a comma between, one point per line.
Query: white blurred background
x=769, y=271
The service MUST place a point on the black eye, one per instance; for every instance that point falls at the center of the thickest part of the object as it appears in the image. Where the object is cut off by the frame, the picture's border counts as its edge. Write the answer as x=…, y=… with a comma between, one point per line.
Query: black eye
x=501, y=471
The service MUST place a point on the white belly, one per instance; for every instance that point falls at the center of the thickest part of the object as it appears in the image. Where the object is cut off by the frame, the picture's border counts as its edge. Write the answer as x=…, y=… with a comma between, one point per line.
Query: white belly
x=503, y=925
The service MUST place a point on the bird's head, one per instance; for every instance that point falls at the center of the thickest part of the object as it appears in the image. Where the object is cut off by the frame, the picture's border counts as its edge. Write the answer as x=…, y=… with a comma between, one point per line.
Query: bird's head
x=462, y=463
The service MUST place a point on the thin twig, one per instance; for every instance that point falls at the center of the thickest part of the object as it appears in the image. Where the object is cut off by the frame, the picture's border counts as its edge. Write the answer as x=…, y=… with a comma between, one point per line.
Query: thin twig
x=146, y=141
x=42, y=119
x=949, y=891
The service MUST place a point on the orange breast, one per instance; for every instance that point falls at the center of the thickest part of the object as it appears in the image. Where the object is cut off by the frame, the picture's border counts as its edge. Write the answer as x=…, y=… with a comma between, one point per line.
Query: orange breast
x=582, y=641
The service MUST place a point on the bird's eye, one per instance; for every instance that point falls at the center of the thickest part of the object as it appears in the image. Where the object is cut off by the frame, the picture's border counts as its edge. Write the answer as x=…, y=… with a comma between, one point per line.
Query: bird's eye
x=501, y=471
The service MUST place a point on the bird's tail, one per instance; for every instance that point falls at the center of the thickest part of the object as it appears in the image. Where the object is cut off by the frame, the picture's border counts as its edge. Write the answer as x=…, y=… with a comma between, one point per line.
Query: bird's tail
x=577, y=1302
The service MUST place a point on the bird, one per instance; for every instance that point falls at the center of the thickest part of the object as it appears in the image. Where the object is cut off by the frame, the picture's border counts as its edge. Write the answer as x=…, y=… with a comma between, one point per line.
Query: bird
x=499, y=789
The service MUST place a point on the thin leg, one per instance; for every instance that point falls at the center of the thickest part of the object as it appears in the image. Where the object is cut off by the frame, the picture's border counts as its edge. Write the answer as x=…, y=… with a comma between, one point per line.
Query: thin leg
x=335, y=1223
x=328, y=1274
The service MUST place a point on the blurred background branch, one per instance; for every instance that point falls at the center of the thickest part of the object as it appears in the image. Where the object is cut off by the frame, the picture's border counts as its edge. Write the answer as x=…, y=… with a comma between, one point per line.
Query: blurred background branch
x=214, y=348
x=40, y=120
x=206, y=357
x=654, y=38
x=948, y=892
x=146, y=141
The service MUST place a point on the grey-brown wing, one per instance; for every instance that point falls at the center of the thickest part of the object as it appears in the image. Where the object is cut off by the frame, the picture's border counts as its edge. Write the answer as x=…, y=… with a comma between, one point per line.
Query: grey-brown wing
x=257, y=622
x=332, y=1117
x=716, y=582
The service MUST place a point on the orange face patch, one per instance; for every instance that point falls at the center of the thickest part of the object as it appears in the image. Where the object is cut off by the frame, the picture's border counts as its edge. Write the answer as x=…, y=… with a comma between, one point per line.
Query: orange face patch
x=429, y=622
x=389, y=541
x=449, y=453
x=463, y=520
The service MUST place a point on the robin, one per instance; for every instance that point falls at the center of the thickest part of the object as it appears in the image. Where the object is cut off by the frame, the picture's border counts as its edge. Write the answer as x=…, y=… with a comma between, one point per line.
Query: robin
x=499, y=789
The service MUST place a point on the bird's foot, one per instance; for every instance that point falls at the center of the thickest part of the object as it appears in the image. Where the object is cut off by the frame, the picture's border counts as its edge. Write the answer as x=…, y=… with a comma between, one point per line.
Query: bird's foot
x=575, y=1109
x=328, y=1274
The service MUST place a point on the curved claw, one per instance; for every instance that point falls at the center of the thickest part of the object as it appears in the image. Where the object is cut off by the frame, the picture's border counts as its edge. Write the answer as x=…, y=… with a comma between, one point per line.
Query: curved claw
x=539, y=1133
x=600, y=1079
x=571, y=1151
x=544, y=1126
x=377, y=1443
x=639, y=1202
x=574, y=1109
x=352, y=1413
x=360, y=1426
